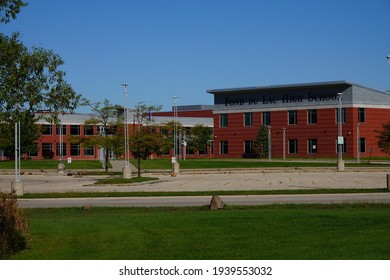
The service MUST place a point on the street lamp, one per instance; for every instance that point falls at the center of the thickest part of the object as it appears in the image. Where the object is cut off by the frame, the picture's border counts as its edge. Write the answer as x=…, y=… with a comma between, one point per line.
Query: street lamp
x=388, y=59
x=125, y=123
x=340, y=139
x=175, y=164
x=126, y=169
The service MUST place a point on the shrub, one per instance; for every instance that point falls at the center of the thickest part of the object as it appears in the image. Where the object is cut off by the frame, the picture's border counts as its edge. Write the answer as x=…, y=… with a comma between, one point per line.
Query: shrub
x=13, y=226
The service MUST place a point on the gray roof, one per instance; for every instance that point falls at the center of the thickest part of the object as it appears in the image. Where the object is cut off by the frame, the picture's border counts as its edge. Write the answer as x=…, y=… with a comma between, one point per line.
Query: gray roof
x=185, y=121
x=80, y=119
x=288, y=86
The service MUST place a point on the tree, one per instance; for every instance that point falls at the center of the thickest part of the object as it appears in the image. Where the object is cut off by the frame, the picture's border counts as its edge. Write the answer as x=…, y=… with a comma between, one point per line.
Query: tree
x=29, y=130
x=9, y=9
x=30, y=80
x=145, y=140
x=105, y=114
x=384, y=138
x=200, y=136
x=261, y=142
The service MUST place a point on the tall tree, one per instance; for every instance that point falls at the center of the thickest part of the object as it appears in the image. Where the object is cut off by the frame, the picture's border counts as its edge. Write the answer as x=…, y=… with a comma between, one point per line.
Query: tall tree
x=30, y=81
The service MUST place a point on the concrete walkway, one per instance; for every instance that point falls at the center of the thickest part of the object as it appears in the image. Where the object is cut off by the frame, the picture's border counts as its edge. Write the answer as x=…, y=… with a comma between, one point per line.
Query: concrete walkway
x=229, y=180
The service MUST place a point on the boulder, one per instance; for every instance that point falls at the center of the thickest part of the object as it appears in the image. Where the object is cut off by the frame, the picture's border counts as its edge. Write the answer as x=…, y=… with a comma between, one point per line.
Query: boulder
x=216, y=203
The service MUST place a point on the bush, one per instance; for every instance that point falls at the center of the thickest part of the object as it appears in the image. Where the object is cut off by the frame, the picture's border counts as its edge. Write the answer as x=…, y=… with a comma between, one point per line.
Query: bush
x=13, y=226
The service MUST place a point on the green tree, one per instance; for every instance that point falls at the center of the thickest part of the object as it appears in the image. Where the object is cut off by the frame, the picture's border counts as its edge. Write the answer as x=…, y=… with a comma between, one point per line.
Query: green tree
x=145, y=140
x=30, y=81
x=105, y=117
x=9, y=9
x=384, y=138
x=261, y=142
x=200, y=137
x=28, y=130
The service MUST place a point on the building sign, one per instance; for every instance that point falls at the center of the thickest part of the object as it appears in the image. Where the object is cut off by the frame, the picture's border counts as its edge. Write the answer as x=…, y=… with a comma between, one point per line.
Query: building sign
x=267, y=99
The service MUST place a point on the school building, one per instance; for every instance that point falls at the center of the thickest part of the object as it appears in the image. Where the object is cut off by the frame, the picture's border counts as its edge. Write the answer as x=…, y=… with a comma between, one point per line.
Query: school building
x=302, y=119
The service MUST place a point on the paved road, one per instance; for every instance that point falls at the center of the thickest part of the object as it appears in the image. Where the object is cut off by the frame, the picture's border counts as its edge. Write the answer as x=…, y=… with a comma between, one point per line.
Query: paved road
x=204, y=200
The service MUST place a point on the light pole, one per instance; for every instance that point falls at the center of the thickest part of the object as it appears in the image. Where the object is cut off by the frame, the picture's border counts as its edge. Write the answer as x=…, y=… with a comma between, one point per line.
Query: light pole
x=284, y=143
x=175, y=164
x=126, y=169
x=358, y=143
x=340, y=138
x=269, y=144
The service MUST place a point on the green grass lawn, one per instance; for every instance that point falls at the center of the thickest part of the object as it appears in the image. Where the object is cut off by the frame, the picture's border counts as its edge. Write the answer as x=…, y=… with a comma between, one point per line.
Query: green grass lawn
x=240, y=163
x=350, y=231
x=52, y=164
x=165, y=164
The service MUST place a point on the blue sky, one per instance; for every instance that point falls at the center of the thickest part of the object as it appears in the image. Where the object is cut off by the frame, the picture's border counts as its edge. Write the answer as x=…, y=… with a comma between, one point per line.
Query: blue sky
x=184, y=47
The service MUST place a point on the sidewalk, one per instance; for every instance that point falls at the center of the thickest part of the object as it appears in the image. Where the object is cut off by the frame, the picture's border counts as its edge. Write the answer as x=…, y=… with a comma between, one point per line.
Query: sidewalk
x=228, y=180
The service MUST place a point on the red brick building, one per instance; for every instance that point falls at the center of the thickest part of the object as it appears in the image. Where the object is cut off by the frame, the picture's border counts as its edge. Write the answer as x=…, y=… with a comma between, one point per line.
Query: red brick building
x=302, y=119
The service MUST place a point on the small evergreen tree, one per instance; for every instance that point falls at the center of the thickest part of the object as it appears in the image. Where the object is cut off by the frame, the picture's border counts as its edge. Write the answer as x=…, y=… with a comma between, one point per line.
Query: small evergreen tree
x=384, y=138
x=261, y=142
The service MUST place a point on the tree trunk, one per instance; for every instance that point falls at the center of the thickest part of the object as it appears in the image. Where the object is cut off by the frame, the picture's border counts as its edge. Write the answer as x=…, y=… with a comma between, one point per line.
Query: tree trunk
x=106, y=158
x=139, y=167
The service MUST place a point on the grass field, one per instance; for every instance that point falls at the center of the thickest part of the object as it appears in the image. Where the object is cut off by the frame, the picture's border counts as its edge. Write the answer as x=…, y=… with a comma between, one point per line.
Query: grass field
x=52, y=164
x=165, y=164
x=351, y=231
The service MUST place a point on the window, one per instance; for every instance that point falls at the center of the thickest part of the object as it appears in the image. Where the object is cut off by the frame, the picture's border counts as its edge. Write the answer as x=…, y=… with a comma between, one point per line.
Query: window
x=312, y=116
x=266, y=118
x=223, y=147
x=292, y=146
x=247, y=119
x=47, y=150
x=312, y=146
x=343, y=115
x=362, y=145
x=223, y=120
x=47, y=129
x=248, y=147
x=88, y=130
x=58, y=149
x=75, y=149
x=59, y=130
x=89, y=151
x=292, y=117
x=74, y=130
x=361, y=115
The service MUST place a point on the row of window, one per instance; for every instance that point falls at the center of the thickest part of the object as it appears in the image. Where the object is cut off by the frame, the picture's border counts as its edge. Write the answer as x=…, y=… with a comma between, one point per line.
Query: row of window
x=312, y=146
x=47, y=129
x=292, y=117
x=75, y=149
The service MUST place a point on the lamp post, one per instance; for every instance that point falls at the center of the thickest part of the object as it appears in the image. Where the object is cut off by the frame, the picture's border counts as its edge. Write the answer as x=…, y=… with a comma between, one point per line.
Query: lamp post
x=358, y=143
x=284, y=143
x=269, y=144
x=126, y=169
x=175, y=164
x=340, y=139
